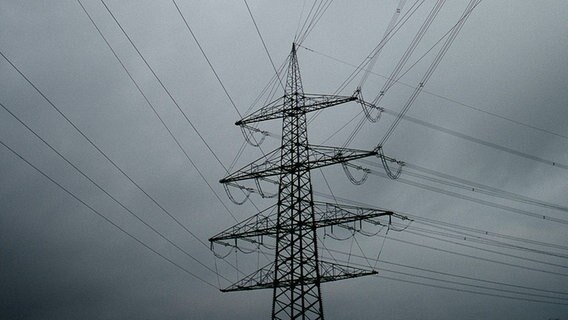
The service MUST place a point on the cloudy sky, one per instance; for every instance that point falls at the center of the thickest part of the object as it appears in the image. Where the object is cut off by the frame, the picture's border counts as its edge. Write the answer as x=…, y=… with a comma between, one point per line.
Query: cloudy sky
x=494, y=121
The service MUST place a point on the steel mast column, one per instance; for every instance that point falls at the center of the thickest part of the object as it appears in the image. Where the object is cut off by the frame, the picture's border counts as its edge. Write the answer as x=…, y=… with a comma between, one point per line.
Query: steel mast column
x=296, y=257
x=297, y=271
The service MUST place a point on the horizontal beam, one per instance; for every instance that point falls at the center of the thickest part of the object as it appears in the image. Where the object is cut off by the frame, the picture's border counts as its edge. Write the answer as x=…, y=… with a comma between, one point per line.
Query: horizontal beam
x=326, y=214
x=329, y=271
x=319, y=156
x=280, y=107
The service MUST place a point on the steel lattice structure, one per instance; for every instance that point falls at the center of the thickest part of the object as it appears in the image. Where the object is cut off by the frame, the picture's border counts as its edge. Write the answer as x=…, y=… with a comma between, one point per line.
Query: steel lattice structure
x=297, y=271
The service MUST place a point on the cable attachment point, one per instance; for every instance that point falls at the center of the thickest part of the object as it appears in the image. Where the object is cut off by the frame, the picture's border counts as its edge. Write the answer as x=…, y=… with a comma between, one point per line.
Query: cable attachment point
x=221, y=256
x=246, y=191
x=385, y=161
x=350, y=176
x=248, y=133
x=368, y=108
x=262, y=193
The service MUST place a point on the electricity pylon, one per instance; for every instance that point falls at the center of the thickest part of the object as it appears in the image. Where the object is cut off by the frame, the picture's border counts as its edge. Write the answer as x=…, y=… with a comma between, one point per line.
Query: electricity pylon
x=297, y=271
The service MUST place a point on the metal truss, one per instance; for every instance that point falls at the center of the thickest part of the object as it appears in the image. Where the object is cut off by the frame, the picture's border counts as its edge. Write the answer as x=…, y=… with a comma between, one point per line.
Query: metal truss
x=329, y=271
x=297, y=271
x=326, y=214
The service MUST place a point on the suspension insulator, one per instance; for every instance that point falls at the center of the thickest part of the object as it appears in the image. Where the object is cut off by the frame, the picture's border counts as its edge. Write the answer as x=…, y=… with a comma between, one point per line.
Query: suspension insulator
x=352, y=179
x=248, y=134
x=246, y=192
x=385, y=162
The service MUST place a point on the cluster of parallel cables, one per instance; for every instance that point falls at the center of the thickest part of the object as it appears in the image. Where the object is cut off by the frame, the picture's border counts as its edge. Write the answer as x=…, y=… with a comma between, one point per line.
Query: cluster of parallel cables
x=486, y=241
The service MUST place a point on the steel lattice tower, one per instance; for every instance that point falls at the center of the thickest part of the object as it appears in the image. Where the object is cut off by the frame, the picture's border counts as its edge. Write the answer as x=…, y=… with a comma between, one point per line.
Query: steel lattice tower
x=297, y=271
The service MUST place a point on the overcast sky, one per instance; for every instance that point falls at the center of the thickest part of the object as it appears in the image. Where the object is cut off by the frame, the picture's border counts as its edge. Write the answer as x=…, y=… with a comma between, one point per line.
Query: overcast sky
x=59, y=260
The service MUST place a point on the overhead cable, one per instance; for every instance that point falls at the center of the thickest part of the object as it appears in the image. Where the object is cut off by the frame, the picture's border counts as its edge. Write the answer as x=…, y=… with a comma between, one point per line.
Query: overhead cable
x=108, y=220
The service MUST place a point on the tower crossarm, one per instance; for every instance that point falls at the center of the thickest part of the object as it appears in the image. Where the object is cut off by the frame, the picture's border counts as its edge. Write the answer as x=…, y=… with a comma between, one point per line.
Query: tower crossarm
x=305, y=103
x=319, y=156
x=262, y=223
x=329, y=271
x=291, y=225
x=325, y=213
x=329, y=214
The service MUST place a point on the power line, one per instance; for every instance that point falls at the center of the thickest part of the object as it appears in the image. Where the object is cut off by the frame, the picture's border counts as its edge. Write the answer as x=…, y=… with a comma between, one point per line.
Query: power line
x=376, y=51
x=410, y=50
x=477, y=257
x=114, y=198
x=205, y=56
x=164, y=210
x=176, y=103
x=350, y=254
x=218, y=79
x=444, y=225
x=468, y=185
x=157, y=114
x=461, y=136
x=421, y=234
x=378, y=48
x=433, y=221
x=467, y=291
x=401, y=115
x=307, y=27
x=155, y=111
x=480, y=141
x=457, y=275
x=463, y=284
x=216, y=76
x=460, y=235
x=472, y=199
x=170, y=95
x=220, y=82
x=461, y=103
x=84, y=136
x=400, y=64
x=467, y=284
x=437, y=59
x=489, y=250
x=390, y=80
x=315, y=19
x=162, y=84
x=422, y=245
x=107, y=219
x=469, y=198
x=264, y=45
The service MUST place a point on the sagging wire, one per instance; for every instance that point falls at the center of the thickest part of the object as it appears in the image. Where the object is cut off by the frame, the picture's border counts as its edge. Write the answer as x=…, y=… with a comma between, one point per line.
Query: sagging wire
x=368, y=107
x=403, y=228
x=248, y=132
x=258, y=257
x=370, y=234
x=373, y=57
x=222, y=257
x=350, y=249
x=381, y=250
x=237, y=262
x=258, y=243
x=246, y=251
x=331, y=235
x=362, y=252
x=217, y=271
x=385, y=239
x=334, y=237
x=350, y=176
x=352, y=230
x=246, y=191
x=262, y=193
x=385, y=161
